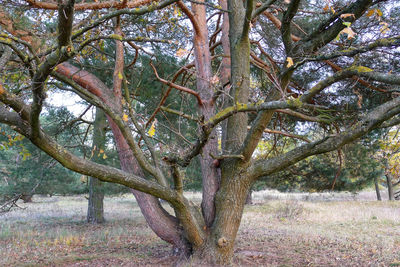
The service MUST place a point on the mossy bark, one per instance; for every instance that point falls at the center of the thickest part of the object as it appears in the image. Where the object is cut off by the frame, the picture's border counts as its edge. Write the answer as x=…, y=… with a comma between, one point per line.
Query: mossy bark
x=96, y=195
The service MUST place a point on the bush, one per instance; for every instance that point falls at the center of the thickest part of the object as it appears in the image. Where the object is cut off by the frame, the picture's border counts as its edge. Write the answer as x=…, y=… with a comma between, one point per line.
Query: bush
x=289, y=210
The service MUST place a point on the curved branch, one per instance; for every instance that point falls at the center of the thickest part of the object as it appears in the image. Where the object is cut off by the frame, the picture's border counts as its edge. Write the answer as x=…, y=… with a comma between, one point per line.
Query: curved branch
x=178, y=87
x=190, y=15
x=350, y=52
x=90, y=6
x=371, y=121
x=84, y=166
x=261, y=8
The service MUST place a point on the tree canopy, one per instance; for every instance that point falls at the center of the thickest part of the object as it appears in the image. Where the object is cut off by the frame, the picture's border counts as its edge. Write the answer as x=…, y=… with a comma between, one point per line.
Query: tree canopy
x=203, y=80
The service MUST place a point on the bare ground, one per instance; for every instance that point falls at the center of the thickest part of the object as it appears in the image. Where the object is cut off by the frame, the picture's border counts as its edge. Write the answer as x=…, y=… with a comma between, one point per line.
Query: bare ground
x=275, y=231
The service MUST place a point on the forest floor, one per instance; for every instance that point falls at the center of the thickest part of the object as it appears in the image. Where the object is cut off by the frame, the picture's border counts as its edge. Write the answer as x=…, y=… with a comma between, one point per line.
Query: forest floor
x=277, y=230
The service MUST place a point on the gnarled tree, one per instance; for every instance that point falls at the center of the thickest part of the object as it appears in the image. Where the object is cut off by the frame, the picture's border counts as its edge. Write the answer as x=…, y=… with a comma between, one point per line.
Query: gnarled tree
x=313, y=60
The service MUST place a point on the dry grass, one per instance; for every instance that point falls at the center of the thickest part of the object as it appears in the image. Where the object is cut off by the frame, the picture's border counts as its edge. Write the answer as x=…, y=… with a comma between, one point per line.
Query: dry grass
x=279, y=230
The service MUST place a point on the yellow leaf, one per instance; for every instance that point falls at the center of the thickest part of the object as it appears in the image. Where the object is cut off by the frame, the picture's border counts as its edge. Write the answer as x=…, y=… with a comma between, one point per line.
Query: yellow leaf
x=181, y=52
x=101, y=151
x=349, y=31
x=104, y=156
x=370, y=12
x=385, y=27
x=379, y=12
x=290, y=62
x=125, y=117
x=152, y=130
x=120, y=75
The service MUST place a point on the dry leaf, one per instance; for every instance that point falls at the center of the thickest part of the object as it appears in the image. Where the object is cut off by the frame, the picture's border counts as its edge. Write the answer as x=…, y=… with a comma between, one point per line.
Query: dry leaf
x=181, y=52
x=290, y=62
x=343, y=16
x=125, y=117
x=349, y=31
x=370, y=12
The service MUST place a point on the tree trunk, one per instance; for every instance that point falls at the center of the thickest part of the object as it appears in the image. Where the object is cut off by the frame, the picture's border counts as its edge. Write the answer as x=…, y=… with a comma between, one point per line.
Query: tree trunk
x=159, y=220
x=389, y=185
x=95, y=206
x=233, y=192
x=249, y=199
x=95, y=212
x=210, y=175
x=378, y=193
x=27, y=198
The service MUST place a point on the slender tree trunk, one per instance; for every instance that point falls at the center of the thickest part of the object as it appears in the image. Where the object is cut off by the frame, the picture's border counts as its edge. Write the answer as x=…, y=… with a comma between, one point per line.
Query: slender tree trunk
x=378, y=192
x=96, y=195
x=225, y=74
x=389, y=185
x=210, y=175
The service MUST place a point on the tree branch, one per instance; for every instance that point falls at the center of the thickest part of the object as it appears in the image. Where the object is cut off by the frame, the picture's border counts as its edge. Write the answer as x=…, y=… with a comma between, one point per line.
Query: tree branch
x=286, y=21
x=63, y=52
x=264, y=6
x=247, y=18
x=370, y=121
x=178, y=87
x=91, y=6
x=329, y=29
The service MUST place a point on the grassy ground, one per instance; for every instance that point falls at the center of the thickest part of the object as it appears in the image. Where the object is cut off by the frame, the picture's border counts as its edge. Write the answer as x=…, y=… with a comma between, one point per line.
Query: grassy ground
x=278, y=230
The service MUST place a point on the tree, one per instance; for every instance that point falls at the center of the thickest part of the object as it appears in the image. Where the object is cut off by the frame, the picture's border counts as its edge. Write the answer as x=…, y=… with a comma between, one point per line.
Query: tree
x=96, y=194
x=390, y=148
x=352, y=169
x=26, y=170
x=233, y=107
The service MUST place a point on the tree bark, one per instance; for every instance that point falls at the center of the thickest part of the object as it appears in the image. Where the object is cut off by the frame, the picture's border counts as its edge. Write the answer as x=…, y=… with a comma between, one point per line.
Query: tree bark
x=159, y=220
x=389, y=185
x=210, y=175
x=95, y=206
x=95, y=212
x=378, y=192
x=233, y=193
x=249, y=199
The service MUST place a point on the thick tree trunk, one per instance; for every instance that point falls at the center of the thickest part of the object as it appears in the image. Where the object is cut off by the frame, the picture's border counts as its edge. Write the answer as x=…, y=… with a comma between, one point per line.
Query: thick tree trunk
x=159, y=220
x=233, y=193
x=389, y=185
x=95, y=206
x=96, y=195
x=378, y=192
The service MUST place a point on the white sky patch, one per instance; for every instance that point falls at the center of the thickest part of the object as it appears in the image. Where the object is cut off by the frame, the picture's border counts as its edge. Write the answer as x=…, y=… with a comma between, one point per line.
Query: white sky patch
x=69, y=100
